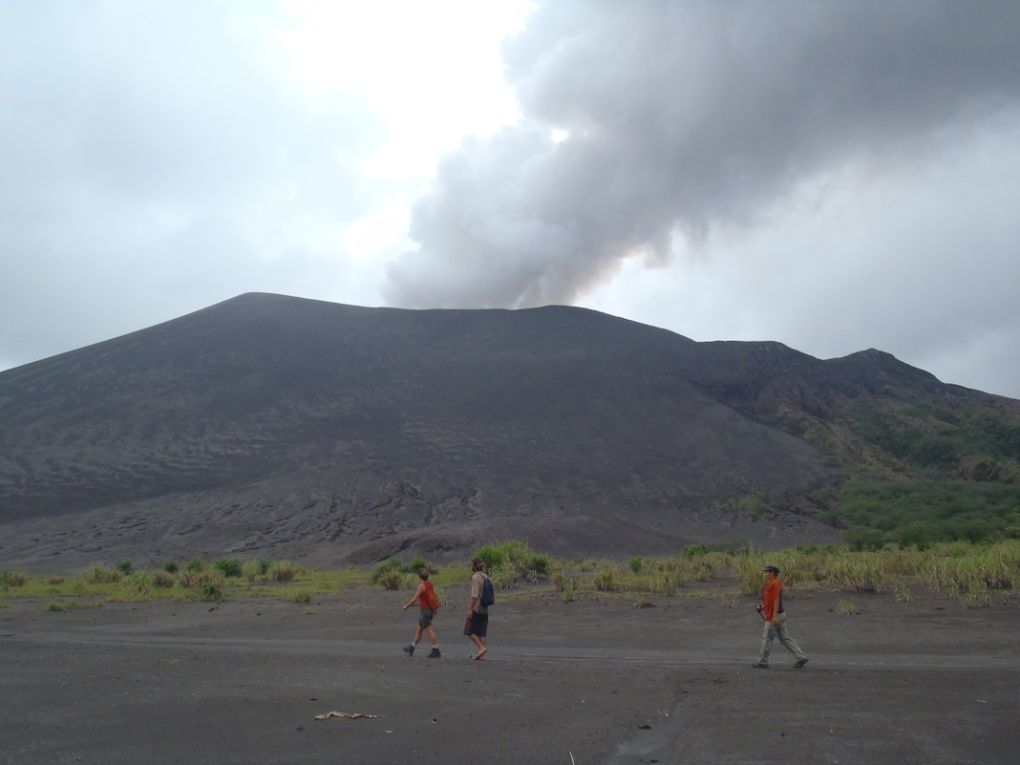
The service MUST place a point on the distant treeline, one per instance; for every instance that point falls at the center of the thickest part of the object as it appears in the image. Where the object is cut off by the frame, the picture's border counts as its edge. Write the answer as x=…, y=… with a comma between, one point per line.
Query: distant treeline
x=922, y=512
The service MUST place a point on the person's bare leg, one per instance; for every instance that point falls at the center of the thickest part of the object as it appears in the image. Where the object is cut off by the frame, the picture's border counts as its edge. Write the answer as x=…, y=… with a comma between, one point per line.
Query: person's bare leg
x=482, y=647
x=431, y=633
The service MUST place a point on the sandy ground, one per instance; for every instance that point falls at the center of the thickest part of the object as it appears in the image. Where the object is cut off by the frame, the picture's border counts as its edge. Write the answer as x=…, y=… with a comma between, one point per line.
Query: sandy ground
x=593, y=681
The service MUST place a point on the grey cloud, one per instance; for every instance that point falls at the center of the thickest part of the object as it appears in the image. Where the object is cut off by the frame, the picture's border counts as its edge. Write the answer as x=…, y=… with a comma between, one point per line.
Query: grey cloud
x=156, y=158
x=685, y=116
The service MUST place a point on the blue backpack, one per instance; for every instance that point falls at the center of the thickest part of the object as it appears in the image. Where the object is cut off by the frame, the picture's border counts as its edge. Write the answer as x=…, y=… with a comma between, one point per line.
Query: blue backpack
x=488, y=593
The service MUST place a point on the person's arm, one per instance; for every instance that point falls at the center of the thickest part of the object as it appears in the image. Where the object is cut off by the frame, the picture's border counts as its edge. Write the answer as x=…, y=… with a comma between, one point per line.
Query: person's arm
x=417, y=594
x=476, y=592
x=768, y=602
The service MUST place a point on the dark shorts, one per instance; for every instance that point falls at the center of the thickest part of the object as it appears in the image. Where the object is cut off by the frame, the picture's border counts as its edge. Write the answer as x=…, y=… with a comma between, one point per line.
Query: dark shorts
x=479, y=624
x=425, y=618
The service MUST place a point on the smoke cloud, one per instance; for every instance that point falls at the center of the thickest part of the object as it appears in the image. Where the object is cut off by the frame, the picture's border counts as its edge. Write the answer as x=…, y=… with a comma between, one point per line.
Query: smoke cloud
x=679, y=117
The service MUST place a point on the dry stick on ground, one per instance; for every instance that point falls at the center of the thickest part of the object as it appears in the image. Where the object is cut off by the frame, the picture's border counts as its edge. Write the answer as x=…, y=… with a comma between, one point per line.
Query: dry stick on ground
x=345, y=715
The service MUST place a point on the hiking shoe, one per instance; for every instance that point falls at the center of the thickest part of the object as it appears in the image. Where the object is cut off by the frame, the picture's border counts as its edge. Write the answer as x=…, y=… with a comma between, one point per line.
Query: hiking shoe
x=409, y=649
x=760, y=665
x=434, y=654
x=800, y=663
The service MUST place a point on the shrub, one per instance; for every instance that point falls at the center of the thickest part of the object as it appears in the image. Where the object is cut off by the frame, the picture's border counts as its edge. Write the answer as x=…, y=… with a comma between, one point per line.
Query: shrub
x=635, y=564
x=864, y=538
x=663, y=582
x=13, y=579
x=55, y=580
x=229, y=567
x=283, y=571
x=390, y=580
x=302, y=596
x=54, y=607
x=194, y=580
x=416, y=564
x=100, y=574
x=164, y=579
x=903, y=593
x=917, y=534
x=125, y=567
x=212, y=592
x=196, y=564
x=846, y=608
x=608, y=578
x=388, y=566
x=262, y=566
x=729, y=547
x=539, y=566
x=170, y=567
x=510, y=562
x=565, y=584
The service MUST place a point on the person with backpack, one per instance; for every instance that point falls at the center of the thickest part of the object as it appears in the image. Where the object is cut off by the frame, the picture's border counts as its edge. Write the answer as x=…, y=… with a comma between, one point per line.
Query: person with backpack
x=482, y=596
x=428, y=601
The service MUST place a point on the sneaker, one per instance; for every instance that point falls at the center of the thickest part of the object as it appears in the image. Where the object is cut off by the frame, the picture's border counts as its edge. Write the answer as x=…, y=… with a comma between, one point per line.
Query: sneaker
x=409, y=649
x=434, y=654
x=760, y=665
x=800, y=663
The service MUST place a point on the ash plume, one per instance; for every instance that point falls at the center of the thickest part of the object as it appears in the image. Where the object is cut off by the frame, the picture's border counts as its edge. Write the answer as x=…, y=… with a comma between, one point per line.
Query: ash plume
x=681, y=116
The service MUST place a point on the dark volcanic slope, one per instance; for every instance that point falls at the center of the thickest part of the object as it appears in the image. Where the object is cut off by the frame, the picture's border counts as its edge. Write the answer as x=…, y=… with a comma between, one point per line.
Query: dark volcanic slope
x=276, y=425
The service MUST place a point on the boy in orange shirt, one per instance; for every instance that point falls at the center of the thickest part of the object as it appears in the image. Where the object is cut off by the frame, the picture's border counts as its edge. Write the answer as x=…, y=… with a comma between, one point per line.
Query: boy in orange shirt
x=772, y=612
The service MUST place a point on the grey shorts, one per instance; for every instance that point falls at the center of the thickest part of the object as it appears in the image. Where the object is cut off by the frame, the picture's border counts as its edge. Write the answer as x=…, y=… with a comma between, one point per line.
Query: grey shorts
x=425, y=618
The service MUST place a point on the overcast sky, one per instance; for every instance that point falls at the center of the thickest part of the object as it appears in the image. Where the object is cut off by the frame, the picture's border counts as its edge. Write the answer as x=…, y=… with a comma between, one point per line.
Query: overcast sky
x=834, y=176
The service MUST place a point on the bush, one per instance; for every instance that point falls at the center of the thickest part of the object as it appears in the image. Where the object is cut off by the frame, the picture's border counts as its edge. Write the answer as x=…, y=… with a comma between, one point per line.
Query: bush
x=125, y=567
x=13, y=579
x=195, y=580
x=510, y=562
x=164, y=579
x=283, y=571
x=388, y=566
x=636, y=564
x=212, y=592
x=303, y=596
x=196, y=564
x=229, y=567
x=729, y=547
x=170, y=567
x=417, y=564
x=390, y=580
x=102, y=575
x=917, y=534
x=864, y=538
x=608, y=578
x=539, y=566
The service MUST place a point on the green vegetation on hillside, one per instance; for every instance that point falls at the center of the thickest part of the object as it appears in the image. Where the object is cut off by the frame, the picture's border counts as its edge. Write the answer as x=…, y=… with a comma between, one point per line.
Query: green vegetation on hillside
x=922, y=467
x=923, y=512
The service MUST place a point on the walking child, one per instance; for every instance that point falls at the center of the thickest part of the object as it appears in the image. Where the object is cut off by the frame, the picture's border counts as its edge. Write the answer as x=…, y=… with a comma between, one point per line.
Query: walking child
x=428, y=602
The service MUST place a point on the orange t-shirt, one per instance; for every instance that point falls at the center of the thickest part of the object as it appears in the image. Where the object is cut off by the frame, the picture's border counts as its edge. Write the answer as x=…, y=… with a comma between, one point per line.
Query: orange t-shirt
x=772, y=599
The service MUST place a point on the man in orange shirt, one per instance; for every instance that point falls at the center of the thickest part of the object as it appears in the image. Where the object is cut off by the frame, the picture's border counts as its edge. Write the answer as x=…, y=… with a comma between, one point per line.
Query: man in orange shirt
x=771, y=609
